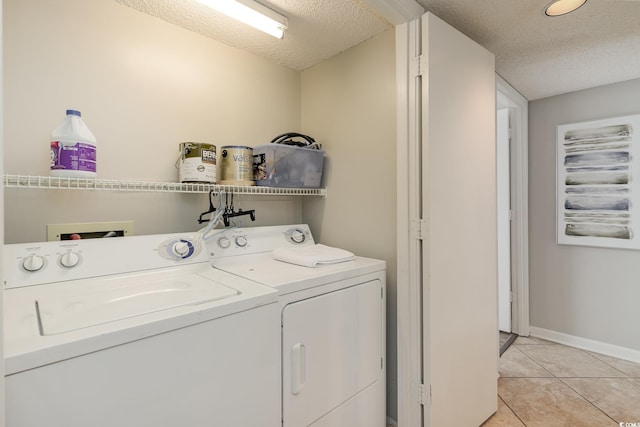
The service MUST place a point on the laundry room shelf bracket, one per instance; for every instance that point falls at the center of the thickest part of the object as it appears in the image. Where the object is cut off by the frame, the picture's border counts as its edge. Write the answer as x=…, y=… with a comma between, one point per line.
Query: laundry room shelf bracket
x=63, y=183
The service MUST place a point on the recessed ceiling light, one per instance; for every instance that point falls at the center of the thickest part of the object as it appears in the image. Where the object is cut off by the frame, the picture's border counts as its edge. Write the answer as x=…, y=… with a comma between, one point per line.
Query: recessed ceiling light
x=562, y=7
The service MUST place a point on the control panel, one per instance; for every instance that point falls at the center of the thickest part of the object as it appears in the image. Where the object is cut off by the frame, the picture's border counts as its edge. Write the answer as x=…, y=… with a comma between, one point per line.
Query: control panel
x=27, y=264
x=33, y=262
x=297, y=235
x=238, y=240
x=178, y=249
x=252, y=240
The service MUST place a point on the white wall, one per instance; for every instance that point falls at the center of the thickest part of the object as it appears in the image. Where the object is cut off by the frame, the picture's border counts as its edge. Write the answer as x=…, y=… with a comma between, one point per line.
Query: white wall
x=591, y=293
x=348, y=105
x=143, y=86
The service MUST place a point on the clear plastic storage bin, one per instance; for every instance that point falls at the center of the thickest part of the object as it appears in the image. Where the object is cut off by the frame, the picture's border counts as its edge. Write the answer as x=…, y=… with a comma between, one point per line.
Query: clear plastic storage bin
x=279, y=165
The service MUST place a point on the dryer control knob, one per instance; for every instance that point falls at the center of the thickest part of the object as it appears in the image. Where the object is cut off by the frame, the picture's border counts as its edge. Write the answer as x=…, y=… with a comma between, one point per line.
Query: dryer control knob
x=69, y=259
x=241, y=241
x=33, y=263
x=297, y=236
x=224, y=242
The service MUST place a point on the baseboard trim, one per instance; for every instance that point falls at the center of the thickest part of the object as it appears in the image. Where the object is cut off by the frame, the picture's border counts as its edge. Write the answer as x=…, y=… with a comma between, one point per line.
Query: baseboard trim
x=391, y=422
x=587, y=344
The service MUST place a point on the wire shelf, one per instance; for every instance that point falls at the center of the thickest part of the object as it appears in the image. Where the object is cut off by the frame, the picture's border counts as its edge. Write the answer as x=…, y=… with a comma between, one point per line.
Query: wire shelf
x=64, y=183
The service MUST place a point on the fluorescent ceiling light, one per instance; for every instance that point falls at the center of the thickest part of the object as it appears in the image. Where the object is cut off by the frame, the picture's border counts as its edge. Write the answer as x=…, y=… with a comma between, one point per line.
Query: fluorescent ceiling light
x=251, y=13
x=562, y=7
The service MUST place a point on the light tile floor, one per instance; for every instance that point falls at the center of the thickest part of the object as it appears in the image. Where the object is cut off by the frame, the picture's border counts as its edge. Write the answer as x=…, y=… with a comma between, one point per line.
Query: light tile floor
x=546, y=384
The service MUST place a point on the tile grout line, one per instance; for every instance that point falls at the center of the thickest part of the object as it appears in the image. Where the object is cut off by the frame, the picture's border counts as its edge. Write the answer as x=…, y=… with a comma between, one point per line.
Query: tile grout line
x=624, y=374
x=515, y=346
x=605, y=362
x=536, y=362
x=512, y=411
x=593, y=378
x=587, y=400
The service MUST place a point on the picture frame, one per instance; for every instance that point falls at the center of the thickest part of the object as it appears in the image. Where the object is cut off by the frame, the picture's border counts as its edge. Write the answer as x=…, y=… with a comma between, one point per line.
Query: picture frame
x=598, y=183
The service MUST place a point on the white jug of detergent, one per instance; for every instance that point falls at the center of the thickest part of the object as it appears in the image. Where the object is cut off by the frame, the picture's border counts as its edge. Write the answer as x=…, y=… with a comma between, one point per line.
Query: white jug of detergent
x=73, y=148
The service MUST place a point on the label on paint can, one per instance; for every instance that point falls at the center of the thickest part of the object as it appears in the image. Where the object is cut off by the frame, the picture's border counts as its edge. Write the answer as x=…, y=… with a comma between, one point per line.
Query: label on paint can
x=197, y=162
x=236, y=165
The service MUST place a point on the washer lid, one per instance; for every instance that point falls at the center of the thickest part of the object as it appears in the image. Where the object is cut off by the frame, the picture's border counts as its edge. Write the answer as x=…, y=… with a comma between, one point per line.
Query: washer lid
x=60, y=314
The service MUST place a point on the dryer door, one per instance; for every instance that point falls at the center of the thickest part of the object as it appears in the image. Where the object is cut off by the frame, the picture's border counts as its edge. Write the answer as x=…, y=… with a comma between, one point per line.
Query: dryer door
x=332, y=350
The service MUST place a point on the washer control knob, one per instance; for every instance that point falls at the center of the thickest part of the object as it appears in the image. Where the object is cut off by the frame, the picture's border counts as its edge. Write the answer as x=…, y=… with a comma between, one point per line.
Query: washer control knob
x=181, y=248
x=297, y=236
x=33, y=263
x=224, y=242
x=69, y=259
x=241, y=241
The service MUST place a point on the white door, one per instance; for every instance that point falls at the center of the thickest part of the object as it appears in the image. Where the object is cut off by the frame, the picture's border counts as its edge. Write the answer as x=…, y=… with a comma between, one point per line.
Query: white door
x=509, y=98
x=459, y=250
x=504, y=220
x=332, y=350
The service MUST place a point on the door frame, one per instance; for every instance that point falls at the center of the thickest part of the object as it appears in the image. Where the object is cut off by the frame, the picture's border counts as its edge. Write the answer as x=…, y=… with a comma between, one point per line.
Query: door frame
x=518, y=118
x=409, y=249
x=2, y=370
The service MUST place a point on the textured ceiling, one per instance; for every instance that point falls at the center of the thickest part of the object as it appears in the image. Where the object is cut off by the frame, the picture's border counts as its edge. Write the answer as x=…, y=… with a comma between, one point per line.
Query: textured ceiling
x=318, y=29
x=540, y=56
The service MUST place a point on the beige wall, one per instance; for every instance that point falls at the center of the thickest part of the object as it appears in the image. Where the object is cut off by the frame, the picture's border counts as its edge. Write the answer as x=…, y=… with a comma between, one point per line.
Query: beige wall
x=348, y=105
x=586, y=292
x=143, y=86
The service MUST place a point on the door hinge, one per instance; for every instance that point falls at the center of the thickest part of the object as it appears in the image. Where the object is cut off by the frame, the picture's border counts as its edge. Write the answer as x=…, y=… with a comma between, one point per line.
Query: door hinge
x=510, y=296
x=419, y=228
x=422, y=394
x=418, y=65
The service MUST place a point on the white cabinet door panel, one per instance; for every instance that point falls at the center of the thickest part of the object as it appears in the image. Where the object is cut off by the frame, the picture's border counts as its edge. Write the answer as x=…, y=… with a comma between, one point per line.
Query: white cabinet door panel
x=331, y=350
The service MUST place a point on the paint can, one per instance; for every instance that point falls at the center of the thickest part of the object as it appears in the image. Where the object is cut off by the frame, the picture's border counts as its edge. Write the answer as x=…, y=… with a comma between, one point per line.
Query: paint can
x=236, y=165
x=197, y=162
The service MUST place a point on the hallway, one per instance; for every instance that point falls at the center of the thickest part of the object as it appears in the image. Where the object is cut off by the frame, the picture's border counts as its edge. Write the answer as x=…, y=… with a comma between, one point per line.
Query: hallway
x=546, y=384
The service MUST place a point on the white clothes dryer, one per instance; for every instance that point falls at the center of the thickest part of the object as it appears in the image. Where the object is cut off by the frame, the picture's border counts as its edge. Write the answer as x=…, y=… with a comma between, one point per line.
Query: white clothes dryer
x=136, y=332
x=333, y=326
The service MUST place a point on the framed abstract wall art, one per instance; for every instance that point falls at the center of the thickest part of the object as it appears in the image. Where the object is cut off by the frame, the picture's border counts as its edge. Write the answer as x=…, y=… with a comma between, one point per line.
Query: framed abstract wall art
x=598, y=183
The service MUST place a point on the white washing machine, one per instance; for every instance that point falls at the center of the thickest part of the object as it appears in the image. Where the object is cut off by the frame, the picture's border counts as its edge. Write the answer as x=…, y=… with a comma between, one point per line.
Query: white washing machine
x=333, y=326
x=136, y=332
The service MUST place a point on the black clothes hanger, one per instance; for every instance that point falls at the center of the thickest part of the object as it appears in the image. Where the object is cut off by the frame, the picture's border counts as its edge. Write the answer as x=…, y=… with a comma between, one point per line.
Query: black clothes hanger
x=211, y=209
